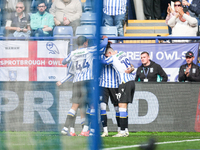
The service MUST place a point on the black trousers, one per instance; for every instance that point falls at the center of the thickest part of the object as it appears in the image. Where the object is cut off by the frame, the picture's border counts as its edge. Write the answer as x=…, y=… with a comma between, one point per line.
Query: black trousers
x=152, y=9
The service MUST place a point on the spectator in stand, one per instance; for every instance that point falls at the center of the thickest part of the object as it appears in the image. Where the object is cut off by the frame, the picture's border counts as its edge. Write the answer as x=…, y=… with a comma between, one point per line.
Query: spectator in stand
x=149, y=70
x=42, y=22
x=34, y=5
x=189, y=71
x=114, y=12
x=18, y=24
x=67, y=13
x=152, y=9
x=10, y=5
x=182, y=23
x=193, y=8
x=170, y=14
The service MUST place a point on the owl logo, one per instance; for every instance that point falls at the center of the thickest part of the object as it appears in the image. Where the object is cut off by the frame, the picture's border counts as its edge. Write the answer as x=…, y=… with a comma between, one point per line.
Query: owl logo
x=52, y=48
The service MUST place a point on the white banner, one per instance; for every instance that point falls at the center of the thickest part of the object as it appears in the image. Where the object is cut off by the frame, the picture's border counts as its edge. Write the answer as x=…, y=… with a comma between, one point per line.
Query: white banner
x=52, y=49
x=42, y=60
x=13, y=49
x=51, y=73
x=14, y=74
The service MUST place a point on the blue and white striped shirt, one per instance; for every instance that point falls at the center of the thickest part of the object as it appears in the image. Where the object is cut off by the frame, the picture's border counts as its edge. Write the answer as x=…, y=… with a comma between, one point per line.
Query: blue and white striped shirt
x=70, y=73
x=120, y=63
x=114, y=7
x=108, y=77
x=82, y=61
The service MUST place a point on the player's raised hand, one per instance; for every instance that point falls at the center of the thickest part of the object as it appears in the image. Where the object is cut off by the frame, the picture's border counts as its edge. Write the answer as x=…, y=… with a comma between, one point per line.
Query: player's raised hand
x=104, y=36
x=58, y=83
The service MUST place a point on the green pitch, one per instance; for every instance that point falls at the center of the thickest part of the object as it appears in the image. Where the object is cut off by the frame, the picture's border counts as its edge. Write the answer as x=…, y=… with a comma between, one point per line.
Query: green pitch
x=54, y=141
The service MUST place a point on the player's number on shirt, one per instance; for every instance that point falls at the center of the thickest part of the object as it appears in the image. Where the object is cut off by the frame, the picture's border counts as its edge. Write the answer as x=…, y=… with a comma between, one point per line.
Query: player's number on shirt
x=126, y=62
x=83, y=65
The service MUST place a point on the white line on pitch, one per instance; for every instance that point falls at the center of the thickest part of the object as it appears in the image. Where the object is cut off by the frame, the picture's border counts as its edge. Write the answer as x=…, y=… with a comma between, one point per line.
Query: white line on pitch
x=158, y=143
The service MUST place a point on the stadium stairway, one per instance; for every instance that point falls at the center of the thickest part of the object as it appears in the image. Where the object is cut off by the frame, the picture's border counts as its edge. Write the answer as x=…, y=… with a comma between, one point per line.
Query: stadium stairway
x=145, y=28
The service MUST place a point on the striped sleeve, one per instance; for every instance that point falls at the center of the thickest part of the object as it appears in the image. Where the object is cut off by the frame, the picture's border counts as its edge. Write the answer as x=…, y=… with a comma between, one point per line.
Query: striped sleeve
x=109, y=60
x=67, y=59
x=67, y=78
x=103, y=45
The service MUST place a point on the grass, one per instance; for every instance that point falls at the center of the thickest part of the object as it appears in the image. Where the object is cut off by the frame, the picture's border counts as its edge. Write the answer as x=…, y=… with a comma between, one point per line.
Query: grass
x=54, y=141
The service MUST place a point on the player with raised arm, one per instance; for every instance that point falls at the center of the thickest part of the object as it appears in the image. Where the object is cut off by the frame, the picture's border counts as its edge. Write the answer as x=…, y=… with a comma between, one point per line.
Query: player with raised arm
x=82, y=63
x=109, y=88
x=126, y=89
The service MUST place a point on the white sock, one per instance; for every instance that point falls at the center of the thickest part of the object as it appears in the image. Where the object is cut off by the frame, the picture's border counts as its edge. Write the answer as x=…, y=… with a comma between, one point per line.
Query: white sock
x=122, y=131
x=72, y=111
x=85, y=128
x=119, y=129
x=105, y=129
x=82, y=120
x=72, y=130
x=126, y=129
x=65, y=128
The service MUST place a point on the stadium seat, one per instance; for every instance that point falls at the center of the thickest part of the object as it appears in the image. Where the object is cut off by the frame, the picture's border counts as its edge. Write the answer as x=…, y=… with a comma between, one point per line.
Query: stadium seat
x=88, y=18
x=2, y=28
x=86, y=30
x=109, y=31
x=87, y=5
x=63, y=31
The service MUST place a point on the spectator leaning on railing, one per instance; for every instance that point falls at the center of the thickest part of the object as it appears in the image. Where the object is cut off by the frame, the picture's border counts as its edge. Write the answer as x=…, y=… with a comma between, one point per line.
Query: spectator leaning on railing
x=66, y=13
x=18, y=24
x=42, y=22
x=150, y=71
x=189, y=71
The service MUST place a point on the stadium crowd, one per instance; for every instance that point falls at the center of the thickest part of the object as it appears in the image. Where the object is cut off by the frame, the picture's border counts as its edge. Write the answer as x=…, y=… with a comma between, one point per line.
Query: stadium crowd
x=32, y=19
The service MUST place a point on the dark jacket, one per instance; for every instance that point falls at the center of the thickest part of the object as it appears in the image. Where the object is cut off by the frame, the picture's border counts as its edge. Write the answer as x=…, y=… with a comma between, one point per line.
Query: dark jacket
x=193, y=76
x=154, y=71
x=195, y=8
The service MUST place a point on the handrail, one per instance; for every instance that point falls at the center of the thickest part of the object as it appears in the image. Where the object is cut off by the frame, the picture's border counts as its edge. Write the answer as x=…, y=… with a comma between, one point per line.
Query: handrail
x=156, y=38
x=110, y=38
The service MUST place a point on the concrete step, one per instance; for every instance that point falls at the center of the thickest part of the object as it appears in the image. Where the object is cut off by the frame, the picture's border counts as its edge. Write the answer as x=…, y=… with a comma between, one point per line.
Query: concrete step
x=146, y=34
x=146, y=23
x=147, y=29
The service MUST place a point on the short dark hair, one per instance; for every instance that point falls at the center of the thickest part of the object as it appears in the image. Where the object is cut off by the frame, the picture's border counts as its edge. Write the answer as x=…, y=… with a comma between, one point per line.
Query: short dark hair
x=107, y=47
x=178, y=1
x=81, y=40
x=145, y=53
x=40, y=2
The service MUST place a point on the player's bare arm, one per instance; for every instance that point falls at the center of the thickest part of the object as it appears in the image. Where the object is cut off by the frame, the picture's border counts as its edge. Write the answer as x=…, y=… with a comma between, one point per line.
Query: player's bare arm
x=130, y=69
x=58, y=83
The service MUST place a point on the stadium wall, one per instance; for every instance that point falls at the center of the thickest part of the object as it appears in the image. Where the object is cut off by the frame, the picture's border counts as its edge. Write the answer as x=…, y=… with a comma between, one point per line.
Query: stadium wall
x=42, y=106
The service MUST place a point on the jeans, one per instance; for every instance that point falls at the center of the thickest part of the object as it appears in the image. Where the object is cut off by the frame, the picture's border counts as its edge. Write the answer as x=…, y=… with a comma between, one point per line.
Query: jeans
x=114, y=21
x=40, y=33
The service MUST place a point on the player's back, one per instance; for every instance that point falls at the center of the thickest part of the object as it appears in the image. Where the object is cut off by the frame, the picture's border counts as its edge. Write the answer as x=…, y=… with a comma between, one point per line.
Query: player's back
x=82, y=63
x=120, y=64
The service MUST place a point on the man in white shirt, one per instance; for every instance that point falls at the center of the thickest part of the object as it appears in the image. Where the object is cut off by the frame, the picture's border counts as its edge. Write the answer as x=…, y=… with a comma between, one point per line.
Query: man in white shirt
x=182, y=23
